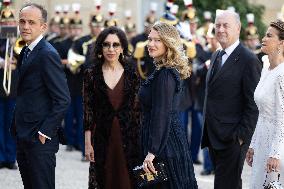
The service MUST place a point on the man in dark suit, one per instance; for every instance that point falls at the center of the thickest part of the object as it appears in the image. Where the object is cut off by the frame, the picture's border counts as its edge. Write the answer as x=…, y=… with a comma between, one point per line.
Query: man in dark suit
x=42, y=100
x=230, y=113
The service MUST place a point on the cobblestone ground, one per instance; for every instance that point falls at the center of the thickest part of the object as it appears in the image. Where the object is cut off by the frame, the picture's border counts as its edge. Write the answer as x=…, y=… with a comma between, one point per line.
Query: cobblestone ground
x=71, y=173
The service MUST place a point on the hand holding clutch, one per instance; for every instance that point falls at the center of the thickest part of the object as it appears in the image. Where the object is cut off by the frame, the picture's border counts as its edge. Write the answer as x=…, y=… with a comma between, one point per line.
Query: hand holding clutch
x=148, y=163
x=146, y=179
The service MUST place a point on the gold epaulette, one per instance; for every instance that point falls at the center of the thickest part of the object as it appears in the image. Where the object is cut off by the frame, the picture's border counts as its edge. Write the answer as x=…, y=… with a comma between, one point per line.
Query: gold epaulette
x=51, y=37
x=190, y=48
x=130, y=48
x=139, y=49
x=59, y=40
x=201, y=31
x=75, y=60
x=76, y=38
x=19, y=44
x=138, y=54
x=86, y=44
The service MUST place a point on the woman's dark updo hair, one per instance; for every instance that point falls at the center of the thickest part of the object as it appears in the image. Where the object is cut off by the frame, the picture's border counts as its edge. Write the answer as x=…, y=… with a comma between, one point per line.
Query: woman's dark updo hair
x=98, y=50
x=279, y=25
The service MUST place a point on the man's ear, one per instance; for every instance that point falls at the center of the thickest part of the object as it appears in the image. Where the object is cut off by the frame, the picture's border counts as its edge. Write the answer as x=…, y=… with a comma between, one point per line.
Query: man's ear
x=44, y=27
x=282, y=42
x=239, y=27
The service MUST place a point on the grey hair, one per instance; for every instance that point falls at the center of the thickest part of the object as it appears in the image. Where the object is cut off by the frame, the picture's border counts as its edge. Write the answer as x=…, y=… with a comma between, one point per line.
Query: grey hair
x=229, y=12
x=39, y=7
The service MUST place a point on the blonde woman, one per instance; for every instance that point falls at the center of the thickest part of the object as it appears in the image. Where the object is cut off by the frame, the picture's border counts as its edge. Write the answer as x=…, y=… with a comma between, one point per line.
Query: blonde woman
x=163, y=139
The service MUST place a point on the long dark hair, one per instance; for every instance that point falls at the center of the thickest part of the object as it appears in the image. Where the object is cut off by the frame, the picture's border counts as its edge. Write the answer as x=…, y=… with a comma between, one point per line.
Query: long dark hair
x=98, y=50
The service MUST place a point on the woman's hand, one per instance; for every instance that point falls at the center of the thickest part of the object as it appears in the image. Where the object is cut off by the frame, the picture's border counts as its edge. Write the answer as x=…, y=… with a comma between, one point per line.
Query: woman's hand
x=89, y=150
x=89, y=153
x=249, y=156
x=273, y=164
x=148, y=163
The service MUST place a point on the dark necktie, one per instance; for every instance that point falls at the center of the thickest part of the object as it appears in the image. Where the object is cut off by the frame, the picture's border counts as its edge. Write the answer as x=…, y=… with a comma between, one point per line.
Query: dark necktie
x=217, y=64
x=26, y=54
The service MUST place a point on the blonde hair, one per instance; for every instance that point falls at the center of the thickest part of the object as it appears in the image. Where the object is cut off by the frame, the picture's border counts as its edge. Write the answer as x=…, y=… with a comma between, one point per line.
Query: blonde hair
x=175, y=55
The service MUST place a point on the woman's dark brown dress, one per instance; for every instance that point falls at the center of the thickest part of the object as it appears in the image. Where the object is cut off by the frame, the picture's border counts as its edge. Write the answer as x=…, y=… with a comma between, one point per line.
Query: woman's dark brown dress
x=117, y=174
x=116, y=129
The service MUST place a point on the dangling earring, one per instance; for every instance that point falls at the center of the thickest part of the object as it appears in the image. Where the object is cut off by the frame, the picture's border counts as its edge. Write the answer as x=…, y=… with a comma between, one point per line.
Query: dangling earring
x=278, y=50
x=122, y=55
x=99, y=56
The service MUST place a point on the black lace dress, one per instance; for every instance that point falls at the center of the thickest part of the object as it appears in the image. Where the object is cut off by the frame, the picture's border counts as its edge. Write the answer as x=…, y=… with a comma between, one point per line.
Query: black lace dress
x=162, y=133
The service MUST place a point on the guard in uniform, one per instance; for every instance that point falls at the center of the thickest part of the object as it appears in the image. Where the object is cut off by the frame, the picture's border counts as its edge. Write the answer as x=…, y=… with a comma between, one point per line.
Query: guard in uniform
x=64, y=29
x=189, y=16
x=145, y=65
x=201, y=72
x=202, y=31
x=7, y=98
x=191, y=117
x=54, y=25
x=252, y=38
x=74, y=116
x=111, y=20
x=84, y=45
x=130, y=29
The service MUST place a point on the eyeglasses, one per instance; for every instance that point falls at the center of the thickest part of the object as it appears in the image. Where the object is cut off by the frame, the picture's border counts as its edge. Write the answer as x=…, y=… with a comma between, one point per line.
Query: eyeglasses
x=107, y=45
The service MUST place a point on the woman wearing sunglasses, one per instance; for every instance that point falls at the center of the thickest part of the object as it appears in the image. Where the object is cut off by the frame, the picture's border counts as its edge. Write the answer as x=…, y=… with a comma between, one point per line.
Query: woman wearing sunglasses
x=111, y=117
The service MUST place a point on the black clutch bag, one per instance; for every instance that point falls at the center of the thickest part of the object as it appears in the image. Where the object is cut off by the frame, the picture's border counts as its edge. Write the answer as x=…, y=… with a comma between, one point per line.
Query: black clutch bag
x=145, y=179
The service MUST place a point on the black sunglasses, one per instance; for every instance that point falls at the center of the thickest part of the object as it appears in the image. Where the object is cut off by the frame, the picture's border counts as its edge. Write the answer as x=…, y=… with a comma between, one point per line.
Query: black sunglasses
x=107, y=45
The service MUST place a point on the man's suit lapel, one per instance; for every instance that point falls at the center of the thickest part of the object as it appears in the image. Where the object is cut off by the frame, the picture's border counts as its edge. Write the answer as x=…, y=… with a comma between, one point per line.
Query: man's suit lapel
x=31, y=57
x=212, y=60
x=234, y=57
x=19, y=63
x=214, y=56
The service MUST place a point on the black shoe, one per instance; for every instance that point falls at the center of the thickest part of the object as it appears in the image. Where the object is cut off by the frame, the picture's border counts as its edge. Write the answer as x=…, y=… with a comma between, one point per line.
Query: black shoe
x=2, y=165
x=69, y=148
x=206, y=172
x=197, y=162
x=77, y=147
x=11, y=166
